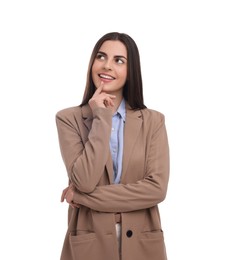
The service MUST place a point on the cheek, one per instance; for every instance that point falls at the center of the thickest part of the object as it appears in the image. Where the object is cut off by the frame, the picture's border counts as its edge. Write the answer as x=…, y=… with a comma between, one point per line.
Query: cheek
x=124, y=75
x=96, y=66
x=93, y=68
x=122, y=72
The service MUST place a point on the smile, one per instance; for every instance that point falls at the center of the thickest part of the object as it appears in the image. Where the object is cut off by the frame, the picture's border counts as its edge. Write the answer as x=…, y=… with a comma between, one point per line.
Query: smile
x=104, y=76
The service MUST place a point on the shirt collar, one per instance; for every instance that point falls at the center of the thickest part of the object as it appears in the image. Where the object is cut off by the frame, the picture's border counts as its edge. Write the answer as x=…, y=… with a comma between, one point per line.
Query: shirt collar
x=122, y=110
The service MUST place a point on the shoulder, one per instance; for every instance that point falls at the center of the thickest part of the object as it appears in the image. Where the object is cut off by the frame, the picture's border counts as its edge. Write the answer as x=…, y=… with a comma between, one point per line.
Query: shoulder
x=153, y=120
x=152, y=115
x=68, y=112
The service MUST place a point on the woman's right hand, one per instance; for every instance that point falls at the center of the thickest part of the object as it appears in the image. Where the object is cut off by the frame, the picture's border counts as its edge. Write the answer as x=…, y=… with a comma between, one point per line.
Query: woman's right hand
x=101, y=99
x=68, y=195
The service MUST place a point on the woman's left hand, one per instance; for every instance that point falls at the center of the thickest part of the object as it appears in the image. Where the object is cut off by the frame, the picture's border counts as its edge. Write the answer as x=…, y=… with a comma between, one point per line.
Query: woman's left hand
x=68, y=195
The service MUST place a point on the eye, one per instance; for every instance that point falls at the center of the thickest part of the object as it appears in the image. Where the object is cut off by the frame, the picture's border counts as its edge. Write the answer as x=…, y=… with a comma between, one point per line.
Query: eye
x=100, y=56
x=119, y=60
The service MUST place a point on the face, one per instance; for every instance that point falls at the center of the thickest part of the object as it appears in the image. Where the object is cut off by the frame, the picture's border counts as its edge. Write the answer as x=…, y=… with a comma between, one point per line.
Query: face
x=110, y=67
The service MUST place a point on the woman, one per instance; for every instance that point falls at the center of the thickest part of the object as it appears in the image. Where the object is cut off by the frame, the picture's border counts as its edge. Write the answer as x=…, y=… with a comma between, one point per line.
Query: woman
x=117, y=158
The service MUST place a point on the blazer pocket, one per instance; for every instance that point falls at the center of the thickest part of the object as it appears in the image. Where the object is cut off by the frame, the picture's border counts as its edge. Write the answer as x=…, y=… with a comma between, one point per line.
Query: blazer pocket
x=154, y=234
x=152, y=245
x=86, y=246
x=80, y=236
x=81, y=242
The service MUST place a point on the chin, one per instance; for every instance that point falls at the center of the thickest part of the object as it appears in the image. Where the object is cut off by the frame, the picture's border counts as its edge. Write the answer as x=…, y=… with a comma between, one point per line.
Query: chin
x=107, y=89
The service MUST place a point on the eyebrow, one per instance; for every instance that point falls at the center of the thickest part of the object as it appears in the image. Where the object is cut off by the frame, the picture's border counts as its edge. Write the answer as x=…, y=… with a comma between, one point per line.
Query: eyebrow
x=116, y=56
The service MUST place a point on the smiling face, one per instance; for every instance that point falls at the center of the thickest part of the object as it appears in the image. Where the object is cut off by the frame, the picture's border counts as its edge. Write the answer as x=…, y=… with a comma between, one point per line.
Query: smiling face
x=110, y=67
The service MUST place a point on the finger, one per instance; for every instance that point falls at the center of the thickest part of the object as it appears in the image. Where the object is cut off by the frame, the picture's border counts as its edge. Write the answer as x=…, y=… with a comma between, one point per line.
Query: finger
x=62, y=197
x=107, y=98
x=67, y=200
x=76, y=205
x=109, y=102
x=64, y=194
x=69, y=195
x=111, y=96
x=72, y=205
x=99, y=89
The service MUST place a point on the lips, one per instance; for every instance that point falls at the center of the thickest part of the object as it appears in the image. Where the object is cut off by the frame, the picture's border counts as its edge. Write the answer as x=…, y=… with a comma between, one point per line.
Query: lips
x=105, y=76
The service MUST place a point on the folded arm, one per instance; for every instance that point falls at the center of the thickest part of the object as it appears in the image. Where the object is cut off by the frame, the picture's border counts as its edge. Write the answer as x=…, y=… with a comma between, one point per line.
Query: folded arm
x=142, y=194
x=84, y=162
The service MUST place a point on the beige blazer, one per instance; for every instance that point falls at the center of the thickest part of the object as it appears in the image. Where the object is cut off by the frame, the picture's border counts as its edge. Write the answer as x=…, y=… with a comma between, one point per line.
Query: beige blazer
x=84, y=143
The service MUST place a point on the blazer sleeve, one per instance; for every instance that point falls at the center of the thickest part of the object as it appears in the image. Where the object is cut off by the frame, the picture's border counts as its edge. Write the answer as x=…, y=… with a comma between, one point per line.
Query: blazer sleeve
x=144, y=193
x=85, y=163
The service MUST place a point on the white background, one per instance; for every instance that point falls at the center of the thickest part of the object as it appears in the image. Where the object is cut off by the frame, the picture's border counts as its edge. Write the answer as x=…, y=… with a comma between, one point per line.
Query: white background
x=189, y=63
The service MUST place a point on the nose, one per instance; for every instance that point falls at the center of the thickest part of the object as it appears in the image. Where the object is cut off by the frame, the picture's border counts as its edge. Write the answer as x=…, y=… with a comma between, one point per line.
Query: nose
x=108, y=65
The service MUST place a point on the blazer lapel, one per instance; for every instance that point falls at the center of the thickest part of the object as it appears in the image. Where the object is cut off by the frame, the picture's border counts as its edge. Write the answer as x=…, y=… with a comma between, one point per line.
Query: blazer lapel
x=87, y=120
x=131, y=130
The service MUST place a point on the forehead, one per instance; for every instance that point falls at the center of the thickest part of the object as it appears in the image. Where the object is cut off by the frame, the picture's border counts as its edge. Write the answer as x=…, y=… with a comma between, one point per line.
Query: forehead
x=115, y=48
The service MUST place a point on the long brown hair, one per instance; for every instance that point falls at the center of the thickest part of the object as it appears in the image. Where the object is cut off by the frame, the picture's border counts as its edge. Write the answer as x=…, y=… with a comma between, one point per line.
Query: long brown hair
x=132, y=90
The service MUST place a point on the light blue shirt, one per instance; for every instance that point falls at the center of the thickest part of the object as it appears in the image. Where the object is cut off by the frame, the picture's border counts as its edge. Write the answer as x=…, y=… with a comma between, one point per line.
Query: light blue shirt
x=116, y=140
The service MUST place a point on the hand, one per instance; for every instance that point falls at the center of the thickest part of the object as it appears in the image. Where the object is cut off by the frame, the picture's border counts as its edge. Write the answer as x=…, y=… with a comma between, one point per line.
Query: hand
x=101, y=99
x=68, y=194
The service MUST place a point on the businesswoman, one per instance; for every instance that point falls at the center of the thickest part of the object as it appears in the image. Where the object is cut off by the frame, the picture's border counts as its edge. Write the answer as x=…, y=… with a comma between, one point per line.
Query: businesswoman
x=117, y=158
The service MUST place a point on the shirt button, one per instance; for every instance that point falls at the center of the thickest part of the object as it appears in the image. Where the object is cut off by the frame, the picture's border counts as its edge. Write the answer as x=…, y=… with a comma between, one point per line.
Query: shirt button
x=129, y=233
x=112, y=129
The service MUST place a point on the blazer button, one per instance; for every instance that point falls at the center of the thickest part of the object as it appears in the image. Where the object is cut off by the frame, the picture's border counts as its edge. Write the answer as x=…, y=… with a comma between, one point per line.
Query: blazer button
x=129, y=233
